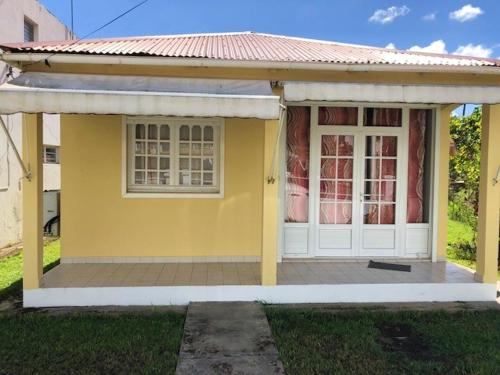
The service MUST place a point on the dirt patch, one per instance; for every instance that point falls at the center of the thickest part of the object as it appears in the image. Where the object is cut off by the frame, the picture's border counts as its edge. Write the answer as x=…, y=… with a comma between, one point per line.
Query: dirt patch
x=11, y=250
x=401, y=338
x=16, y=248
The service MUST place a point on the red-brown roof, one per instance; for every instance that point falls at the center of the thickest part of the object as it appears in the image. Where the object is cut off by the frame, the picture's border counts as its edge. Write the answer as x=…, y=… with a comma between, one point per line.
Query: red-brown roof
x=248, y=46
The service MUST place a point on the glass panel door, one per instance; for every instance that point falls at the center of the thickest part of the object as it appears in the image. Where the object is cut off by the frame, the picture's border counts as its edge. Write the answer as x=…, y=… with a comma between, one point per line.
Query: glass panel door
x=336, y=179
x=336, y=191
x=379, y=195
x=379, y=186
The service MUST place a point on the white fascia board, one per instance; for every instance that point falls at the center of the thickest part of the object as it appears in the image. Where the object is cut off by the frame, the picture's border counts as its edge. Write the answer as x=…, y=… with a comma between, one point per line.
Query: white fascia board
x=428, y=94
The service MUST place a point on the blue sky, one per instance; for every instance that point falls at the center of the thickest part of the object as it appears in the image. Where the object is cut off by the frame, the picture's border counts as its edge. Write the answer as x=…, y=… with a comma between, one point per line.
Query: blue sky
x=474, y=28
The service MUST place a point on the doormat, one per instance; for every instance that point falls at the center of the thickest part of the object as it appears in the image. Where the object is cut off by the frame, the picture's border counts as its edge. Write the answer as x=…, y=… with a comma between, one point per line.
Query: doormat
x=389, y=266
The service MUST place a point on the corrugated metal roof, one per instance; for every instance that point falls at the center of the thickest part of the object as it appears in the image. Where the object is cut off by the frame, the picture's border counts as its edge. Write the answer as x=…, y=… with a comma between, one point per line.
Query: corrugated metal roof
x=248, y=46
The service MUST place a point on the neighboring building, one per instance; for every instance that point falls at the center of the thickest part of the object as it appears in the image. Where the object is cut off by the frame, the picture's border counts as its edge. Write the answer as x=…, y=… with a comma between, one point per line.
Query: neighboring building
x=247, y=166
x=28, y=21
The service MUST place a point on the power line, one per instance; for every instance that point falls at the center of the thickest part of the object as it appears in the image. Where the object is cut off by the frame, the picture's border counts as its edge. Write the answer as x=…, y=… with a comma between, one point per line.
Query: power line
x=46, y=59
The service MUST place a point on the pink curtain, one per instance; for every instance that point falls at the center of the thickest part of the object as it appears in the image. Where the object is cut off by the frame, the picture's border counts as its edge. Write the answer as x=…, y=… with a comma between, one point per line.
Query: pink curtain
x=297, y=179
x=383, y=117
x=416, y=156
x=338, y=116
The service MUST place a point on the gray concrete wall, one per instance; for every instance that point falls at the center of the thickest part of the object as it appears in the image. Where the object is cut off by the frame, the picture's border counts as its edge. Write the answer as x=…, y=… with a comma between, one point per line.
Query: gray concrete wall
x=12, y=15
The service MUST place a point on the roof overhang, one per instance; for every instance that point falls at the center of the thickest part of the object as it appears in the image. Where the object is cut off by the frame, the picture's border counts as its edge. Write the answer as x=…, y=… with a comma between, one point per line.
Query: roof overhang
x=418, y=94
x=131, y=95
x=23, y=59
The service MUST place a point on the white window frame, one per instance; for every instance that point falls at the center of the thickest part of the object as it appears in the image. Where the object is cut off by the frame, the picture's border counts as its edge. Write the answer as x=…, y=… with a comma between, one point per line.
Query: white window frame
x=56, y=148
x=176, y=192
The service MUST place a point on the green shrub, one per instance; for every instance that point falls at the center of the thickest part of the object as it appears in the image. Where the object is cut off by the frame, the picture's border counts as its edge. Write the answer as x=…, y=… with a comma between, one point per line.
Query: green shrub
x=462, y=207
x=465, y=250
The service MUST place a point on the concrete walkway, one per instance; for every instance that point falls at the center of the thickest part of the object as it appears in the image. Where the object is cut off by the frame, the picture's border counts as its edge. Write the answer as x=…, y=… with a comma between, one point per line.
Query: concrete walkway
x=227, y=338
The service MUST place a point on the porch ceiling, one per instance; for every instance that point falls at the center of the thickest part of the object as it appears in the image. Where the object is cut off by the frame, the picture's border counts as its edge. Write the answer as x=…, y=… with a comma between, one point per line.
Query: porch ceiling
x=289, y=273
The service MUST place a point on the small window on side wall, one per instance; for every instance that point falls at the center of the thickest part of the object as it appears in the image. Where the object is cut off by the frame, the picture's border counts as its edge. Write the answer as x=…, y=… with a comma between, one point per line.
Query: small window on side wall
x=29, y=30
x=174, y=156
x=51, y=154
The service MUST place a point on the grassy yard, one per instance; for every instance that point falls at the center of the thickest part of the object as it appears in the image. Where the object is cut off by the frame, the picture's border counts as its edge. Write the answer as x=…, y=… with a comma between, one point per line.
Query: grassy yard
x=11, y=268
x=459, y=232
x=321, y=342
x=90, y=343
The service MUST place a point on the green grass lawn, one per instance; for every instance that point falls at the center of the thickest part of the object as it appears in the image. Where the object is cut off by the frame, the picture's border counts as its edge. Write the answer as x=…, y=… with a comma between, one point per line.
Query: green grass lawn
x=11, y=268
x=438, y=342
x=90, y=343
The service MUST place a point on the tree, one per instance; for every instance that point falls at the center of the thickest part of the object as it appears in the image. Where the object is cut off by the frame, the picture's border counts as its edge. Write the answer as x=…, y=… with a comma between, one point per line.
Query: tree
x=464, y=166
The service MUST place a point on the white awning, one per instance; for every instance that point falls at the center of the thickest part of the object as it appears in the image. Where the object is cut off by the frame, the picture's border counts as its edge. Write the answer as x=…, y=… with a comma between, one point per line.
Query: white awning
x=134, y=95
x=428, y=94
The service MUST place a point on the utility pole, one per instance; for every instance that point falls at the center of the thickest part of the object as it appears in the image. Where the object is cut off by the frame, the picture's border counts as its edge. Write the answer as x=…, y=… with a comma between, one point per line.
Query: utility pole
x=72, y=23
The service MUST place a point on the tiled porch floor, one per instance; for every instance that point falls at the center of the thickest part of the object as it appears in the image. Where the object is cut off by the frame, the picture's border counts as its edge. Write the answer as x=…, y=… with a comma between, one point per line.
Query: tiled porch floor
x=289, y=273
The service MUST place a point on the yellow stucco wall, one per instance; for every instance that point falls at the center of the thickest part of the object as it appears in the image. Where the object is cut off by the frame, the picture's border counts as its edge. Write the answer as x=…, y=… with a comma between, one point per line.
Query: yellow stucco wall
x=98, y=221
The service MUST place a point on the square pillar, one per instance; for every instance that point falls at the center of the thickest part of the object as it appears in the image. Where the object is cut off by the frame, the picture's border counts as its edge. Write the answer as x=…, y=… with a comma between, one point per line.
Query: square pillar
x=443, y=155
x=270, y=205
x=489, y=197
x=33, y=201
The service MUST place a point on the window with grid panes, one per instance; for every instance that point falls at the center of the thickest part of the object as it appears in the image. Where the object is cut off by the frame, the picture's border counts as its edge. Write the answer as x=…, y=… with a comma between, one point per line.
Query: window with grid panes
x=173, y=156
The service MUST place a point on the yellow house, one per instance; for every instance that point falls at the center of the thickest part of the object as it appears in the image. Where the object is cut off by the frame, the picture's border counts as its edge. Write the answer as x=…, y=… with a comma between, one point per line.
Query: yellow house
x=248, y=166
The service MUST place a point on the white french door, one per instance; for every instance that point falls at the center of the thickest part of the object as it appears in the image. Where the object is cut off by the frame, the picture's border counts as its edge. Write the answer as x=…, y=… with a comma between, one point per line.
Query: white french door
x=380, y=178
x=359, y=181
x=356, y=197
x=336, y=190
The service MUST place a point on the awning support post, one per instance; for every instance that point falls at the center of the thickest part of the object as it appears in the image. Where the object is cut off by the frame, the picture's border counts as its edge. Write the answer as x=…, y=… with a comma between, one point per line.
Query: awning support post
x=26, y=171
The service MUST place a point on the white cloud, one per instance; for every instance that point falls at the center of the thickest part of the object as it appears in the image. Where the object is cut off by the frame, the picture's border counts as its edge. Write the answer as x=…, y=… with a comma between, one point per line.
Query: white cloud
x=473, y=50
x=390, y=46
x=388, y=15
x=438, y=46
x=466, y=13
x=429, y=17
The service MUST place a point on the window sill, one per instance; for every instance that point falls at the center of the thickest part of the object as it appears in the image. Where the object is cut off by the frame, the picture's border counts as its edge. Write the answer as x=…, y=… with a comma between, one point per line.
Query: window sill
x=141, y=195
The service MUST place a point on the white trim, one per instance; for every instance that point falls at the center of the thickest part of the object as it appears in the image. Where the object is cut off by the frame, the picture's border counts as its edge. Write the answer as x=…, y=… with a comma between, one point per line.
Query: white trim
x=435, y=185
x=176, y=192
x=393, y=93
x=314, y=183
x=402, y=185
x=161, y=259
x=183, y=295
x=17, y=59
